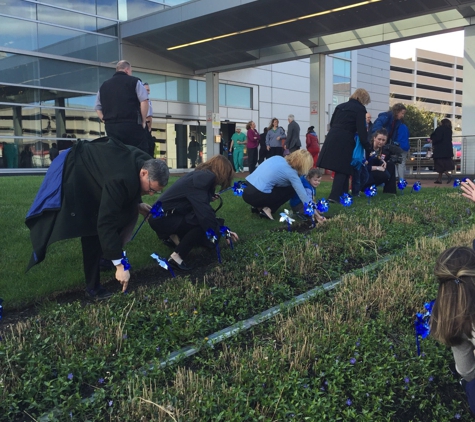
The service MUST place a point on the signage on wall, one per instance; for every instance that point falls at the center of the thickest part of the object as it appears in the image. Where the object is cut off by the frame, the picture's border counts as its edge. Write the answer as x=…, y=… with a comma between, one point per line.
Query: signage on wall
x=313, y=107
x=209, y=116
x=216, y=122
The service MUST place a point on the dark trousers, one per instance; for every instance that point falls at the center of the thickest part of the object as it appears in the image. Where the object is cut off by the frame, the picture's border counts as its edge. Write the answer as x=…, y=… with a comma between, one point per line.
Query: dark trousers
x=359, y=179
x=190, y=235
x=262, y=153
x=387, y=177
x=274, y=200
x=92, y=254
x=275, y=151
x=252, y=159
x=470, y=390
x=129, y=133
x=339, y=187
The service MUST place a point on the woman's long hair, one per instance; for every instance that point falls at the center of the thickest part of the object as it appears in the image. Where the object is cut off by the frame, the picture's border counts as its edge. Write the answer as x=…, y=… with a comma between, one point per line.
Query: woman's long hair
x=272, y=123
x=221, y=167
x=453, y=314
x=300, y=160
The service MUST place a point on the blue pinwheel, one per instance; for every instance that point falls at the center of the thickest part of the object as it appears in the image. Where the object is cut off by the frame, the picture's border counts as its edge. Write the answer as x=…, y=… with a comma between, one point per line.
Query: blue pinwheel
x=416, y=187
x=238, y=188
x=285, y=216
x=346, y=200
x=211, y=235
x=125, y=261
x=322, y=205
x=422, y=324
x=457, y=183
x=401, y=185
x=157, y=211
x=163, y=263
x=370, y=191
x=1, y=308
x=465, y=179
x=226, y=233
x=309, y=208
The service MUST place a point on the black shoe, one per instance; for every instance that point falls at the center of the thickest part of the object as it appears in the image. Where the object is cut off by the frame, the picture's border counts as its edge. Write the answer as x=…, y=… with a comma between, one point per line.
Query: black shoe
x=255, y=210
x=170, y=243
x=175, y=265
x=98, y=295
x=438, y=182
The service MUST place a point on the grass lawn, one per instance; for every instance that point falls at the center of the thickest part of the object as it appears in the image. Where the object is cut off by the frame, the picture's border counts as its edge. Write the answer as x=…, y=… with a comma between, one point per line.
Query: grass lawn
x=348, y=354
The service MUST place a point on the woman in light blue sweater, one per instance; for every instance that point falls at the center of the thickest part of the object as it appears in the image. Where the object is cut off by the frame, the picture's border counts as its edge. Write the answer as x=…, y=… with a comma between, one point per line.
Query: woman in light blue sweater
x=277, y=180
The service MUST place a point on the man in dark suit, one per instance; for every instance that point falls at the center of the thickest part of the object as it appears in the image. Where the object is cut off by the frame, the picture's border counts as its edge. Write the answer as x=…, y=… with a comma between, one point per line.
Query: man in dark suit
x=122, y=103
x=292, y=142
x=93, y=191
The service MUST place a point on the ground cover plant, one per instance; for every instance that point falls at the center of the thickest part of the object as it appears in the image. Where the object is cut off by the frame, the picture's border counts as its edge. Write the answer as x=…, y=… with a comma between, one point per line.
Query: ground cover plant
x=69, y=352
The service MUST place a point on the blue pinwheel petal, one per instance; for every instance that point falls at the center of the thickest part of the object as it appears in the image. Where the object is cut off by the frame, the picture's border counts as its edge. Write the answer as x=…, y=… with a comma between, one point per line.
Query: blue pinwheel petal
x=125, y=261
x=457, y=183
x=371, y=191
x=346, y=200
x=308, y=209
x=157, y=211
x=402, y=184
x=211, y=235
x=417, y=186
x=322, y=205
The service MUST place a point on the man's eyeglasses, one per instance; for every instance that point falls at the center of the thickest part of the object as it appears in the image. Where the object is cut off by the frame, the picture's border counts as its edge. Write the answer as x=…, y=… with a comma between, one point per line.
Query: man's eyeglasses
x=150, y=190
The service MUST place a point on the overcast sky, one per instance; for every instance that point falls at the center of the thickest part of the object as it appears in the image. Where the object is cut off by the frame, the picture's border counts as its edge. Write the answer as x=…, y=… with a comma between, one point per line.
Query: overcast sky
x=451, y=43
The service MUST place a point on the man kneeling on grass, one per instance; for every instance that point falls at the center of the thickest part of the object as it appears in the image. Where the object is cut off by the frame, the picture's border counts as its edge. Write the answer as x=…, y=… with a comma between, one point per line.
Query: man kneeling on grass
x=93, y=191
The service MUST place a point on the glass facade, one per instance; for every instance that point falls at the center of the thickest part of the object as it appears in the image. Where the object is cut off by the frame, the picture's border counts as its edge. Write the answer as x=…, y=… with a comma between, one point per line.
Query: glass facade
x=341, y=77
x=52, y=56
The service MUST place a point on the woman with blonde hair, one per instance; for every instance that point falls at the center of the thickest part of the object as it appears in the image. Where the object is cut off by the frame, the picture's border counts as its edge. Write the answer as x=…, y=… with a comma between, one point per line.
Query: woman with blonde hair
x=453, y=314
x=277, y=180
x=347, y=120
x=188, y=213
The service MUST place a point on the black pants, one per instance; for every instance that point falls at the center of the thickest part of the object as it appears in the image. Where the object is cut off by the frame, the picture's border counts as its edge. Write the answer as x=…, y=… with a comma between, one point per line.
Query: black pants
x=190, y=235
x=275, y=151
x=262, y=153
x=387, y=177
x=92, y=254
x=340, y=186
x=129, y=133
x=252, y=159
x=274, y=200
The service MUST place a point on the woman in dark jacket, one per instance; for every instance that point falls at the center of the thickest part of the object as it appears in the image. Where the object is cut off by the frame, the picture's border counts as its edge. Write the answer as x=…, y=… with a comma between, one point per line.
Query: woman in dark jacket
x=337, y=152
x=443, y=150
x=188, y=213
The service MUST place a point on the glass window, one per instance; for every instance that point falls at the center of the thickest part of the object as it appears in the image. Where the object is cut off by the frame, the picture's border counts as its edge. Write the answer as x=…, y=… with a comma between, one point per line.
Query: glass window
x=107, y=27
x=107, y=49
x=66, y=18
x=19, y=69
x=107, y=9
x=238, y=96
x=31, y=121
x=21, y=9
x=17, y=33
x=136, y=8
x=193, y=90
x=157, y=84
x=222, y=94
x=342, y=67
x=85, y=6
x=344, y=54
x=19, y=94
x=201, y=92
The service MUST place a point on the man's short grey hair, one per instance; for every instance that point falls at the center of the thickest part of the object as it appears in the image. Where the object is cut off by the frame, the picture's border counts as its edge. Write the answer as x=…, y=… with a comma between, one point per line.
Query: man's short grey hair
x=122, y=65
x=291, y=117
x=157, y=171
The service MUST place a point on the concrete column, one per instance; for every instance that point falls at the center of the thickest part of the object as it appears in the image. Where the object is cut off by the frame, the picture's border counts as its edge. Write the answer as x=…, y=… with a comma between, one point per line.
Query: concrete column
x=317, y=96
x=212, y=106
x=468, y=102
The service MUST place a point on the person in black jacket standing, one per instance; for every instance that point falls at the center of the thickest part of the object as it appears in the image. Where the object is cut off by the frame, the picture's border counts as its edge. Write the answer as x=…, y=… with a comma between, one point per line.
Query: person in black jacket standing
x=122, y=104
x=292, y=142
x=443, y=150
x=337, y=152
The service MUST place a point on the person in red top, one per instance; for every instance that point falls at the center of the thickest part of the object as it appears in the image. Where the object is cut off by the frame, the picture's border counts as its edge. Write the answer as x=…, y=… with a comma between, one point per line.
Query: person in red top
x=313, y=146
x=252, y=144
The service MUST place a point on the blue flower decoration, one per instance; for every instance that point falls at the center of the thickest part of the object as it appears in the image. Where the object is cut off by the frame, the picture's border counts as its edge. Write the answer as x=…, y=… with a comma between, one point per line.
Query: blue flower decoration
x=457, y=183
x=309, y=208
x=416, y=187
x=239, y=187
x=211, y=235
x=157, y=210
x=371, y=191
x=226, y=233
x=285, y=217
x=125, y=261
x=163, y=263
x=422, y=324
x=402, y=184
x=465, y=179
x=322, y=205
x=346, y=200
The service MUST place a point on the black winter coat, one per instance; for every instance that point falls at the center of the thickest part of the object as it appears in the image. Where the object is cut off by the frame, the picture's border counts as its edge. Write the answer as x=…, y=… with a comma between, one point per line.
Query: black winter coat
x=337, y=152
x=442, y=142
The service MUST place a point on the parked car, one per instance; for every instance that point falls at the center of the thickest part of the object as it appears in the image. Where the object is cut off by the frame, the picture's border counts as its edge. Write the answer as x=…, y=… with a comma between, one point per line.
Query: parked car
x=422, y=153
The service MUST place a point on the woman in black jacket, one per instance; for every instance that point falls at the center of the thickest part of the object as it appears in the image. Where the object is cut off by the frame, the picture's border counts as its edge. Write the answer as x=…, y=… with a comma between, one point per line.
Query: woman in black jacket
x=337, y=152
x=188, y=213
x=443, y=150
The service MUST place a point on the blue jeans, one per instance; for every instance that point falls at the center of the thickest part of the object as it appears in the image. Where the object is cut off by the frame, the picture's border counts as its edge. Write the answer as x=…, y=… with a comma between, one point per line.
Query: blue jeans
x=359, y=179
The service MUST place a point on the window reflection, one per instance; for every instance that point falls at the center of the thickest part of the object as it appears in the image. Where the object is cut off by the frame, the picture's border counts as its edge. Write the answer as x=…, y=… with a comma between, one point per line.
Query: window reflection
x=66, y=18
x=17, y=33
x=19, y=8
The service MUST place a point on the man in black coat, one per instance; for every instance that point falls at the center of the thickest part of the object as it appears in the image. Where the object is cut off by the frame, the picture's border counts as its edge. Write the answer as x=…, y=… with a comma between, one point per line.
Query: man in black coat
x=93, y=191
x=292, y=142
x=122, y=103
